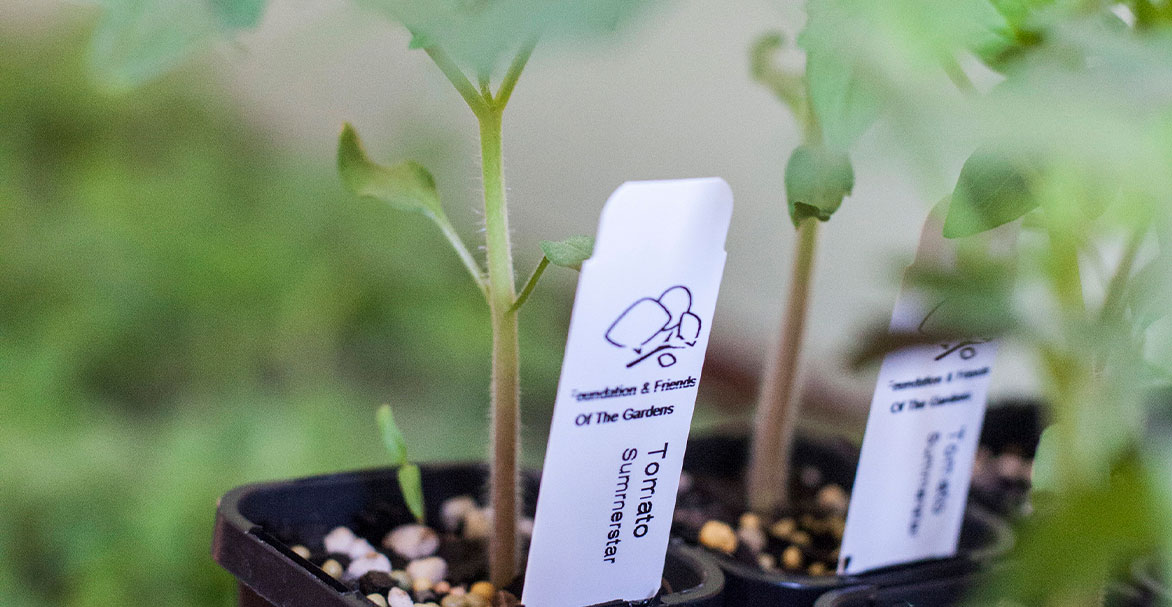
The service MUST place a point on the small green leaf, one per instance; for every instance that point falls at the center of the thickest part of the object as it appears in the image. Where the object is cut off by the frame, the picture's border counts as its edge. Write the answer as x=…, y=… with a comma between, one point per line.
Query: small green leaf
x=993, y=190
x=816, y=180
x=411, y=485
x=841, y=94
x=406, y=186
x=841, y=98
x=569, y=253
x=392, y=438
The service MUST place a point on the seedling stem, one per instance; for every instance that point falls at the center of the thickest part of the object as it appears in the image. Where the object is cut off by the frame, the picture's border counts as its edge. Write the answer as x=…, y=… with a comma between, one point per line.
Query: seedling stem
x=503, y=305
x=777, y=407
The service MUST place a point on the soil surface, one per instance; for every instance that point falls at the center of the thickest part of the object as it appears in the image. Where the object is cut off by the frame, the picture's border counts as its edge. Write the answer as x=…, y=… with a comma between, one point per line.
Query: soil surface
x=803, y=539
x=412, y=564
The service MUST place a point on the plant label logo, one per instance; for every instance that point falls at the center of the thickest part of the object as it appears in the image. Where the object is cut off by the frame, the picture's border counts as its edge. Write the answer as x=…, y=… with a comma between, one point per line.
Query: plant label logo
x=652, y=327
x=963, y=349
x=639, y=329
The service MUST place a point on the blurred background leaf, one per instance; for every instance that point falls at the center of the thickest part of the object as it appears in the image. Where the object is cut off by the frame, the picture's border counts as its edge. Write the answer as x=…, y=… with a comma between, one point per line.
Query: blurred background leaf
x=137, y=40
x=482, y=35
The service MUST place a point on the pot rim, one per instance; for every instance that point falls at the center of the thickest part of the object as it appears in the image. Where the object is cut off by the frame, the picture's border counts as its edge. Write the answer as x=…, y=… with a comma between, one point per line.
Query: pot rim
x=1002, y=542
x=231, y=521
x=1002, y=537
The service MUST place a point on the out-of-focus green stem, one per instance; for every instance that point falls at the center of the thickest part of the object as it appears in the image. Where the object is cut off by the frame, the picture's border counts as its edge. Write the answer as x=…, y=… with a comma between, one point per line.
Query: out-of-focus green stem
x=1113, y=304
x=1065, y=371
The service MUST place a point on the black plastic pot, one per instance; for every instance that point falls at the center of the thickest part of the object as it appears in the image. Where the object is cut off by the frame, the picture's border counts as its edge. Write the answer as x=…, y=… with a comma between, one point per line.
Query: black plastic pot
x=250, y=521
x=1011, y=426
x=934, y=582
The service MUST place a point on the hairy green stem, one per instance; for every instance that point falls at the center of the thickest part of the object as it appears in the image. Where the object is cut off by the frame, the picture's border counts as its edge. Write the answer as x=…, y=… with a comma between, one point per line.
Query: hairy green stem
x=777, y=407
x=506, y=394
x=502, y=300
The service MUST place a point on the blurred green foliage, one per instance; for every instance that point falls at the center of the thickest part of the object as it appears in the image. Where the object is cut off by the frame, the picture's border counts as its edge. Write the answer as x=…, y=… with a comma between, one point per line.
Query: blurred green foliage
x=1068, y=105
x=136, y=40
x=184, y=309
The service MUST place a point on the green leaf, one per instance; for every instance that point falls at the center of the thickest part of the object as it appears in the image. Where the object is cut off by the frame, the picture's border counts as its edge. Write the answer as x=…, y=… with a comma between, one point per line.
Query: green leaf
x=1015, y=28
x=569, y=253
x=392, y=438
x=406, y=186
x=816, y=180
x=863, y=56
x=138, y=40
x=844, y=106
x=411, y=485
x=484, y=34
x=992, y=190
x=842, y=98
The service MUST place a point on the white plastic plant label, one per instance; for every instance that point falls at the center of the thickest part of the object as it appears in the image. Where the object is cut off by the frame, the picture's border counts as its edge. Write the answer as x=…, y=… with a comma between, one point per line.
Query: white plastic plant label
x=923, y=429
x=638, y=333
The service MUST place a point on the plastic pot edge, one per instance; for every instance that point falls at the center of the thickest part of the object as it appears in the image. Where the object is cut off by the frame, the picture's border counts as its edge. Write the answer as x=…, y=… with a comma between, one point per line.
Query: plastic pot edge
x=242, y=547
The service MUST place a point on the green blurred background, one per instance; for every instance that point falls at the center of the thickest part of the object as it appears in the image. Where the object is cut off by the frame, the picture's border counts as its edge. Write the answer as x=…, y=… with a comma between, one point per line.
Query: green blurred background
x=184, y=308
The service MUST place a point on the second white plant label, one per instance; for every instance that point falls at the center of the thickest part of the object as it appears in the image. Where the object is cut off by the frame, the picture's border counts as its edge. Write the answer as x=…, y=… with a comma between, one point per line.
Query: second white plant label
x=638, y=334
x=910, y=491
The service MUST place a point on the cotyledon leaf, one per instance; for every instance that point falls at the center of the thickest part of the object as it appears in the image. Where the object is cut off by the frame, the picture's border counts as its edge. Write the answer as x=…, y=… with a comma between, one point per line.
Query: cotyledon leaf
x=392, y=437
x=816, y=180
x=568, y=253
x=410, y=481
x=406, y=186
x=411, y=485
